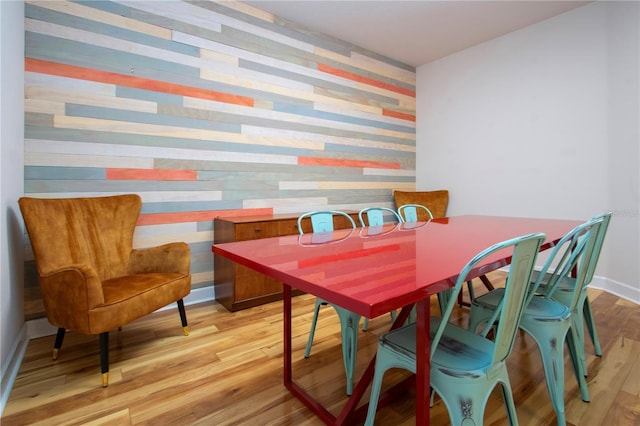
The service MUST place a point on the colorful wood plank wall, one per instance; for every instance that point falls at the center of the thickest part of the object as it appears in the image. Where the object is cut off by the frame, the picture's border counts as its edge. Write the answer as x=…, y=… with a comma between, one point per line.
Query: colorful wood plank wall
x=207, y=109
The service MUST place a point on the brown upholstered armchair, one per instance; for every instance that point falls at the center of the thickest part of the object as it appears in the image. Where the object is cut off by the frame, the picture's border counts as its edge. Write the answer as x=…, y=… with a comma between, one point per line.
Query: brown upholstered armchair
x=436, y=201
x=91, y=278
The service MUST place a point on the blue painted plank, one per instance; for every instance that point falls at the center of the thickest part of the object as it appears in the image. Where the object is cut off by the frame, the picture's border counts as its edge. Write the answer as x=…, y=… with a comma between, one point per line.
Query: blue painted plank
x=190, y=206
x=342, y=118
x=67, y=173
x=56, y=185
x=267, y=69
x=81, y=54
x=89, y=111
x=47, y=15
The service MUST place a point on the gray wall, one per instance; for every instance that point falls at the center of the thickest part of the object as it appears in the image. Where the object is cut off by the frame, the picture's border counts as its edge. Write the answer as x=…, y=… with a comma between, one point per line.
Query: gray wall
x=12, y=337
x=543, y=122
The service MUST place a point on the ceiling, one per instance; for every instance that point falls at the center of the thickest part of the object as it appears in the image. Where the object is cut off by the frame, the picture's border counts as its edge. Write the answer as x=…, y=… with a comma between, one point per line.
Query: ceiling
x=419, y=31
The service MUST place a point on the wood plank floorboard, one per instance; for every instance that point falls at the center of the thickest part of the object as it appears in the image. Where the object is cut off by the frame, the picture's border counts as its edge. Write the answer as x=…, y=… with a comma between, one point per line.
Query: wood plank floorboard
x=228, y=371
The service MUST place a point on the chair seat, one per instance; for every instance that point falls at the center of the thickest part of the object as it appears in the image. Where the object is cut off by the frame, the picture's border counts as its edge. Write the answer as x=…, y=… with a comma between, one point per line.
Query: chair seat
x=543, y=309
x=130, y=297
x=459, y=349
x=564, y=284
x=539, y=308
x=115, y=291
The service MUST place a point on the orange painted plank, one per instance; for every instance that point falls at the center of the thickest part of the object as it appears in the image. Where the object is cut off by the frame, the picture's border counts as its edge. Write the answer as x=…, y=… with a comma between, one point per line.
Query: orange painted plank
x=151, y=174
x=266, y=211
x=366, y=80
x=340, y=162
x=201, y=216
x=400, y=115
x=72, y=71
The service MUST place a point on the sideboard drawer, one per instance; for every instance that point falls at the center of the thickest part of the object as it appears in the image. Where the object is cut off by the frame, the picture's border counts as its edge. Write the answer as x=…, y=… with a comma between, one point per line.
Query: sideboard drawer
x=255, y=230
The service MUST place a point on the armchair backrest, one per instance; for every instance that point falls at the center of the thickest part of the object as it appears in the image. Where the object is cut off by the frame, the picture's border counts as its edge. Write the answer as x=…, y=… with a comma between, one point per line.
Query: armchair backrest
x=435, y=201
x=96, y=231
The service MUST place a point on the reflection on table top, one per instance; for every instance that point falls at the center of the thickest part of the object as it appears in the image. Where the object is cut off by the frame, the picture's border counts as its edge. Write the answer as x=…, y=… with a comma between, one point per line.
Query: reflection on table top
x=374, y=270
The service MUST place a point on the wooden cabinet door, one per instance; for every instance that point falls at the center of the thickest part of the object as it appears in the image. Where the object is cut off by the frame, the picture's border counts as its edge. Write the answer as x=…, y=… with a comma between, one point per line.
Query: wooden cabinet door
x=251, y=284
x=255, y=230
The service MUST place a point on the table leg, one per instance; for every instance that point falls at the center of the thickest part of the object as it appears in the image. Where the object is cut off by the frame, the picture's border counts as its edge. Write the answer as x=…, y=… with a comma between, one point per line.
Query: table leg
x=286, y=299
x=422, y=362
x=350, y=412
x=292, y=386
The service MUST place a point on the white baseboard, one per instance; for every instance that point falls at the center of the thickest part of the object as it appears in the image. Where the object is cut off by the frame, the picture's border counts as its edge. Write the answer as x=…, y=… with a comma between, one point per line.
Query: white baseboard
x=622, y=290
x=10, y=370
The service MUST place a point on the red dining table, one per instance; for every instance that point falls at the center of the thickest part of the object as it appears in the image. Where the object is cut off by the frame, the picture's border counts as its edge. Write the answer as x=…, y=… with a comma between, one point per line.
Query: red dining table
x=373, y=271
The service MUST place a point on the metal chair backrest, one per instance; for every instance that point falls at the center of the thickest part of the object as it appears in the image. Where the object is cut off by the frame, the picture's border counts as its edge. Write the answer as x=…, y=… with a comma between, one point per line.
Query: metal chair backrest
x=322, y=220
x=602, y=232
x=525, y=251
x=580, y=251
x=409, y=212
x=376, y=216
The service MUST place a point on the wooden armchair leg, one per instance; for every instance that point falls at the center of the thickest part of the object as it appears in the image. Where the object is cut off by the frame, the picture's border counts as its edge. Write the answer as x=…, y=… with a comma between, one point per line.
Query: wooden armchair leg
x=58, y=343
x=183, y=317
x=104, y=358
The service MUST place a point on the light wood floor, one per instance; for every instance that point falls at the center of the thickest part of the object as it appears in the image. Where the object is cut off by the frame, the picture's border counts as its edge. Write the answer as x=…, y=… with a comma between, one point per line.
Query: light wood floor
x=228, y=371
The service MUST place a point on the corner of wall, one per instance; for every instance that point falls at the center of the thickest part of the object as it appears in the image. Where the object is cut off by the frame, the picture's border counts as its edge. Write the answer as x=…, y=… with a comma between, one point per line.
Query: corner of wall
x=11, y=367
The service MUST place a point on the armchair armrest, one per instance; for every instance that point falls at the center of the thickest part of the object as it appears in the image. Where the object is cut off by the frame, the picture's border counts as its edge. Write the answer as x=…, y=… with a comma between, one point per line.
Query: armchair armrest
x=167, y=258
x=69, y=293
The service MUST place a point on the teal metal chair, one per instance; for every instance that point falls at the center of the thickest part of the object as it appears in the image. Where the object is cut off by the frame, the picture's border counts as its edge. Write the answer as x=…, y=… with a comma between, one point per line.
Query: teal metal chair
x=550, y=322
x=465, y=367
x=322, y=221
x=376, y=217
x=563, y=293
x=409, y=212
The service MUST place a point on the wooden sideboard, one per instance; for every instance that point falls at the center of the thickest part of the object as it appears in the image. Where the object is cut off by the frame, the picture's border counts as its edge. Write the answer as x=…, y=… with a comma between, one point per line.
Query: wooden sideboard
x=238, y=287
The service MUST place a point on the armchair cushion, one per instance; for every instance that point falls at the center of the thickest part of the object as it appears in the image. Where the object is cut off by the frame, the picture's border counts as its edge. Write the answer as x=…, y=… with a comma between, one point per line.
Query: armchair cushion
x=172, y=257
